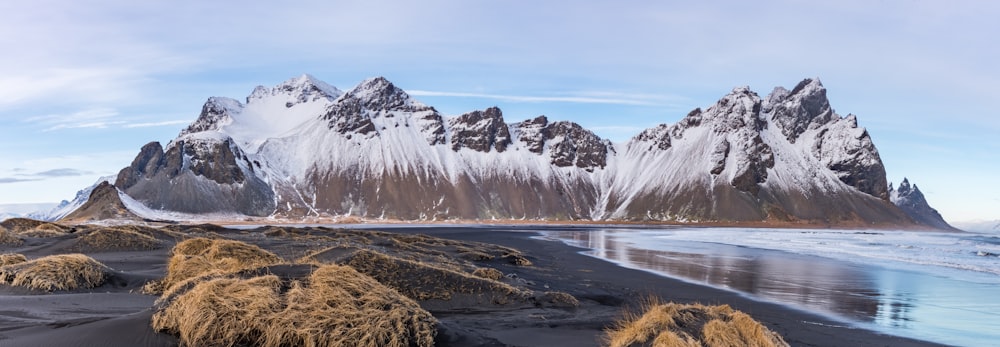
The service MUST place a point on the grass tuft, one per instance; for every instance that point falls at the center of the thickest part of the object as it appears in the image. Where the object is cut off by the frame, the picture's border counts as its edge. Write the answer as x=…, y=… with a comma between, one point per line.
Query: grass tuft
x=200, y=256
x=9, y=238
x=560, y=299
x=488, y=273
x=56, y=272
x=426, y=281
x=674, y=324
x=335, y=306
x=11, y=259
x=115, y=239
x=45, y=230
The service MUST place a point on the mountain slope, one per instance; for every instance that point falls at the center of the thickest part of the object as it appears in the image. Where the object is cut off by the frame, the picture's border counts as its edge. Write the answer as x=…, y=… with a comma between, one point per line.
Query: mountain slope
x=68, y=206
x=104, y=203
x=304, y=148
x=912, y=201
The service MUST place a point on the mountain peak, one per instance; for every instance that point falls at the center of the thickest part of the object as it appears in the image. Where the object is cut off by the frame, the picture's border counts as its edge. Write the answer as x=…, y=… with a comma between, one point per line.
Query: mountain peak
x=809, y=86
x=303, y=88
x=375, y=84
x=215, y=113
x=909, y=199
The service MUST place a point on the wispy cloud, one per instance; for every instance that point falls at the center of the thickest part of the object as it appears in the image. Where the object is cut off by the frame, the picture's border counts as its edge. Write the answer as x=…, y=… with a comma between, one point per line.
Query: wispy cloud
x=63, y=172
x=16, y=180
x=586, y=98
x=90, y=118
x=156, y=124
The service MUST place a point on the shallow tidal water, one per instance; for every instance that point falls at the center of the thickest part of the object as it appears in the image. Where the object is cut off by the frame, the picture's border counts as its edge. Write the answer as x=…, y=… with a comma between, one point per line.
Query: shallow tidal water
x=941, y=287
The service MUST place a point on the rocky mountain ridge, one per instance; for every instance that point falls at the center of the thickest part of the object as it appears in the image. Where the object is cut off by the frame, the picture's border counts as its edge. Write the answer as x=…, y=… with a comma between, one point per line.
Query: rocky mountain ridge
x=304, y=148
x=911, y=200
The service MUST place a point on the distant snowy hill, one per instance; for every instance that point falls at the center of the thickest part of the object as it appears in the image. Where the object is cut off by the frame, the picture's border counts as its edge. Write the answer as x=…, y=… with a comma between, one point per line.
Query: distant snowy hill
x=66, y=207
x=305, y=148
x=990, y=226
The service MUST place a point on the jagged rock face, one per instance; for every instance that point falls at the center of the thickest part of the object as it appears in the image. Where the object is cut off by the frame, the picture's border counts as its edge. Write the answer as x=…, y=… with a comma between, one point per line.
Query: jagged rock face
x=104, y=203
x=374, y=105
x=197, y=175
x=838, y=142
x=305, y=148
x=785, y=158
x=480, y=131
x=912, y=201
x=805, y=107
x=215, y=113
x=568, y=143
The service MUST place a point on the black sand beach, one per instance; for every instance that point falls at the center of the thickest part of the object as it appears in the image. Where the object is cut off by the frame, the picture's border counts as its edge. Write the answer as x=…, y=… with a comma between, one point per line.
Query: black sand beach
x=117, y=314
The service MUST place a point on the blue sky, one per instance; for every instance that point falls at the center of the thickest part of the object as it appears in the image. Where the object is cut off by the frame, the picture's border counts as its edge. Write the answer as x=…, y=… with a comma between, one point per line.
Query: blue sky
x=84, y=86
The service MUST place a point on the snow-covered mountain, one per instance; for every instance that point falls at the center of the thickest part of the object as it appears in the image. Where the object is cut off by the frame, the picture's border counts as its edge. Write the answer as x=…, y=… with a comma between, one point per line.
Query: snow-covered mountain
x=983, y=226
x=66, y=207
x=911, y=200
x=306, y=148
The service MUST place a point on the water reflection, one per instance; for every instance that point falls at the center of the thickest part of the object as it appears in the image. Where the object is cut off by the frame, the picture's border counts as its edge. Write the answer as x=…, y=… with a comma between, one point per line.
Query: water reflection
x=909, y=303
x=820, y=285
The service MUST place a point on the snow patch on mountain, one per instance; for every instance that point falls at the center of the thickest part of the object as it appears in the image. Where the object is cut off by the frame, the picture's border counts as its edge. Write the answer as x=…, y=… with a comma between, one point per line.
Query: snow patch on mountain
x=66, y=207
x=305, y=148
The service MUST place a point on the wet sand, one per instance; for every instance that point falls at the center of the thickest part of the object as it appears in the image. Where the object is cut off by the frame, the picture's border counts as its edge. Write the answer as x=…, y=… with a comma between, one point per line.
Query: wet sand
x=116, y=314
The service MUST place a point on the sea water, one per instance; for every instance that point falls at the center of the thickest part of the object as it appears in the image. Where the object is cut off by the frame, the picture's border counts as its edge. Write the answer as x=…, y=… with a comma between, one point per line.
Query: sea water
x=941, y=287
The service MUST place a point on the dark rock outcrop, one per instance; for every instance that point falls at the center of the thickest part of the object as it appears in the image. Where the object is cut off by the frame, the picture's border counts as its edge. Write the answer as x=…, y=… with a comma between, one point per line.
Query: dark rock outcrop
x=376, y=152
x=103, y=204
x=837, y=142
x=197, y=175
x=911, y=200
x=480, y=131
x=568, y=143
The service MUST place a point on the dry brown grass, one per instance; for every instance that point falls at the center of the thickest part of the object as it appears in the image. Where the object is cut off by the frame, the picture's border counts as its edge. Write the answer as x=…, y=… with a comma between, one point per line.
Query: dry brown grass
x=517, y=259
x=115, y=239
x=18, y=225
x=9, y=238
x=426, y=281
x=674, y=324
x=488, y=272
x=560, y=299
x=336, y=306
x=11, y=259
x=56, y=272
x=200, y=256
x=45, y=230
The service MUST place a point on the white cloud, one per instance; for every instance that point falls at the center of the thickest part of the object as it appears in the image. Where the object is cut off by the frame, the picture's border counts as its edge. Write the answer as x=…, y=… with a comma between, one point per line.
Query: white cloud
x=596, y=98
x=91, y=118
x=156, y=124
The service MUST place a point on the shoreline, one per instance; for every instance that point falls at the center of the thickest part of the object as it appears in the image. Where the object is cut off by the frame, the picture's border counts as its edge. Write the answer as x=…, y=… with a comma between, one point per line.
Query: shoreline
x=255, y=221
x=604, y=289
x=799, y=327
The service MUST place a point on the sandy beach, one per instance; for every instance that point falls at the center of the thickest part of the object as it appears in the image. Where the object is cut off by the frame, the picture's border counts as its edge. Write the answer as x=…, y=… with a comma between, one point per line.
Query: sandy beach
x=117, y=313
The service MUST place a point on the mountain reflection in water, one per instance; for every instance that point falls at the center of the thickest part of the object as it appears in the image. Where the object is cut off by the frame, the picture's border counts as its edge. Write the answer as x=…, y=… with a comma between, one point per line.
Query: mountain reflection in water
x=827, y=286
x=922, y=301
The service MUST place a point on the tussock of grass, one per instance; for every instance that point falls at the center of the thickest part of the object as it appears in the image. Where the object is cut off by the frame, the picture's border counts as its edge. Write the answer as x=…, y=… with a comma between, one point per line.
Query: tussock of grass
x=116, y=239
x=560, y=299
x=200, y=256
x=425, y=281
x=489, y=273
x=11, y=259
x=19, y=225
x=336, y=306
x=9, y=238
x=46, y=230
x=517, y=259
x=674, y=324
x=56, y=272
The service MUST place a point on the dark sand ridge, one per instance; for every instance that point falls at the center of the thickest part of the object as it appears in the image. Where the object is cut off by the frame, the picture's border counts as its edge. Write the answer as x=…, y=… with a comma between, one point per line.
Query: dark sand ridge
x=115, y=314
